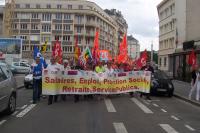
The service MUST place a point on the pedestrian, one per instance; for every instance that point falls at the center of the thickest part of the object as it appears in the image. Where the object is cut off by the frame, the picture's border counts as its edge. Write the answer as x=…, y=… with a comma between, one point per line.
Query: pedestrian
x=195, y=82
x=54, y=67
x=77, y=67
x=37, y=80
x=148, y=67
x=66, y=68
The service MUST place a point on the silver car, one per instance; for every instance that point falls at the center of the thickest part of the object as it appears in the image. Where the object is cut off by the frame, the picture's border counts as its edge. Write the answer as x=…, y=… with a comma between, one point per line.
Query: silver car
x=20, y=67
x=8, y=92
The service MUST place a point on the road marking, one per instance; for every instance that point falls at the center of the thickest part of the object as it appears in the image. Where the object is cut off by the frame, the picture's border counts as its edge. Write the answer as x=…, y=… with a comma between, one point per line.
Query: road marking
x=175, y=118
x=142, y=106
x=168, y=128
x=23, y=107
x=26, y=110
x=120, y=128
x=146, y=102
x=109, y=105
x=3, y=121
x=190, y=128
x=156, y=105
x=164, y=111
x=153, y=100
x=14, y=113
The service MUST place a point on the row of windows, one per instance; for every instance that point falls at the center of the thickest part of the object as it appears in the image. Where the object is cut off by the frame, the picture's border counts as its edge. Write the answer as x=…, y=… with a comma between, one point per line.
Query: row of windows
x=167, y=27
x=64, y=48
x=161, y=63
x=166, y=44
x=45, y=16
x=167, y=12
x=48, y=6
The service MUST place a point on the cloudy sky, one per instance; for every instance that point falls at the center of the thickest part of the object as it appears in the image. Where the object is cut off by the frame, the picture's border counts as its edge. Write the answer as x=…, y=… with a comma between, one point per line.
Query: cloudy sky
x=141, y=16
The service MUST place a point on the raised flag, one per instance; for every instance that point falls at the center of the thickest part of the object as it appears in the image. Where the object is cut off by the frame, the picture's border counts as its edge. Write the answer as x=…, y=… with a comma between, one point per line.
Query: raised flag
x=95, y=50
x=192, y=58
x=57, y=52
x=77, y=50
x=44, y=47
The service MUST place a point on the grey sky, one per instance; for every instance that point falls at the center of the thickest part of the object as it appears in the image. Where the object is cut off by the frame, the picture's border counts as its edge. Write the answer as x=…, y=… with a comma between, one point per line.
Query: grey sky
x=141, y=16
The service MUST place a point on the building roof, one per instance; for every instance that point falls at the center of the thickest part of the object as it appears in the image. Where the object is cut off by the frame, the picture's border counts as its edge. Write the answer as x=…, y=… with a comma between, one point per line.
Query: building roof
x=162, y=3
x=132, y=38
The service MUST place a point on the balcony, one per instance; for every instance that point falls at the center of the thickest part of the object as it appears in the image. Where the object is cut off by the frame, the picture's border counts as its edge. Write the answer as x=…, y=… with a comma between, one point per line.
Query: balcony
x=35, y=42
x=68, y=21
x=15, y=31
x=90, y=23
x=25, y=42
x=57, y=31
x=57, y=21
x=66, y=43
x=67, y=32
x=15, y=20
x=24, y=31
x=35, y=31
x=35, y=20
x=25, y=20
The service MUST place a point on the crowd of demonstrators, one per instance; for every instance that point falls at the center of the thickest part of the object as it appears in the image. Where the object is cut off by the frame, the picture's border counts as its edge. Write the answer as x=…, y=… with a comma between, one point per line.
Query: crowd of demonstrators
x=102, y=68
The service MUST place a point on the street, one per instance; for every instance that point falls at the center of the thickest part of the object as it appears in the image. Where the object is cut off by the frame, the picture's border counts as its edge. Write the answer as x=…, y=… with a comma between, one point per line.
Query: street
x=116, y=114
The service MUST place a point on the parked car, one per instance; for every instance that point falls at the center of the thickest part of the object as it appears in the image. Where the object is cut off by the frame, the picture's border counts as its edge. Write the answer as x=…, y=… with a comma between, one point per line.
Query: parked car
x=28, y=80
x=8, y=93
x=20, y=67
x=161, y=83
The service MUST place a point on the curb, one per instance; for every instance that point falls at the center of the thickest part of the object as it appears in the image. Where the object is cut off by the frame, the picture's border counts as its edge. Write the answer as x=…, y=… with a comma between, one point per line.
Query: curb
x=187, y=100
x=20, y=87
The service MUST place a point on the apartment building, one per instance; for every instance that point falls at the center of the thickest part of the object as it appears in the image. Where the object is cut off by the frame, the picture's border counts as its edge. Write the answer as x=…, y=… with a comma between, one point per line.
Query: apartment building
x=133, y=47
x=47, y=20
x=179, y=34
x=167, y=33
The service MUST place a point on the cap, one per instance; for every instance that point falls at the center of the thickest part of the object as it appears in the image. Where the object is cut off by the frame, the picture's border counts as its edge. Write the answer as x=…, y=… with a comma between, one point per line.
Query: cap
x=65, y=61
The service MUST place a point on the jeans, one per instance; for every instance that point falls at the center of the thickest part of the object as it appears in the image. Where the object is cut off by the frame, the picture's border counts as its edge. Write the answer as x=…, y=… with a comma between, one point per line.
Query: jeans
x=37, y=89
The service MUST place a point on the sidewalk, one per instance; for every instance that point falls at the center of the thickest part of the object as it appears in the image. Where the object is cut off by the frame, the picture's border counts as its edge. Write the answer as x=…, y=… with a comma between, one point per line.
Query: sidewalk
x=182, y=89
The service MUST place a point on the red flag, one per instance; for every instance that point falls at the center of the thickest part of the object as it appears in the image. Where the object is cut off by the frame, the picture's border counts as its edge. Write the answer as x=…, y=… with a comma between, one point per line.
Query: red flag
x=122, y=57
x=77, y=52
x=142, y=60
x=57, y=52
x=95, y=50
x=192, y=58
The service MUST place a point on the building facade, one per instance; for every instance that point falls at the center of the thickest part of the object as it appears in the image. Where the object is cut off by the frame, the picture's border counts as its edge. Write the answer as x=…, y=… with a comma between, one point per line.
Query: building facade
x=167, y=33
x=183, y=28
x=47, y=20
x=1, y=20
x=133, y=47
x=122, y=25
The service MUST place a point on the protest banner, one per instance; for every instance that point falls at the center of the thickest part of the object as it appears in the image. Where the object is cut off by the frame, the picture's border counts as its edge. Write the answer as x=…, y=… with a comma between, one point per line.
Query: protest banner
x=88, y=82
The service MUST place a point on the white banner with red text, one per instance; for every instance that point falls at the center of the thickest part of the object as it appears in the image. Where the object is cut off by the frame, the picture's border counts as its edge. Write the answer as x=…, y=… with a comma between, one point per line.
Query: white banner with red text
x=88, y=82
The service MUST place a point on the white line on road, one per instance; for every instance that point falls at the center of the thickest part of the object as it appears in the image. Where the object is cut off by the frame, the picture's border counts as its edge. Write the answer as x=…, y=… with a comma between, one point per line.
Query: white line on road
x=26, y=110
x=120, y=128
x=142, y=106
x=14, y=113
x=175, y=118
x=164, y=111
x=146, y=102
x=168, y=128
x=109, y=105
x=190, y=128
x=156, y=105
x=23, y=107
x=1, y=122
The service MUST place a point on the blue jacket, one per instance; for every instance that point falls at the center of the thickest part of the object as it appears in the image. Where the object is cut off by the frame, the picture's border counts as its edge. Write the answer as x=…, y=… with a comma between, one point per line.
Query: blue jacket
x=37, y=71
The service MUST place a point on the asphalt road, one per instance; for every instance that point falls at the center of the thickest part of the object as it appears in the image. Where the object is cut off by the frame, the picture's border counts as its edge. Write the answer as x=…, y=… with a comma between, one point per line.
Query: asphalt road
x=116, y=114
